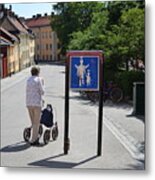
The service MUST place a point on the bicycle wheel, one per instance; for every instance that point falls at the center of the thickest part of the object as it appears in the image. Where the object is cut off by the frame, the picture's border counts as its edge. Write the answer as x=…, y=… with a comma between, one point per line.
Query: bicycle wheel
x=116, y=95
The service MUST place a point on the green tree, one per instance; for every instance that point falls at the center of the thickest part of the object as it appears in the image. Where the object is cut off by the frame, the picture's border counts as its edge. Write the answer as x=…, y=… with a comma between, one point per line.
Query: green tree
x=120, y=41
x=94, y=36
x=117, y=28
x=116, y=8
x=71, y=17
x=132, y=43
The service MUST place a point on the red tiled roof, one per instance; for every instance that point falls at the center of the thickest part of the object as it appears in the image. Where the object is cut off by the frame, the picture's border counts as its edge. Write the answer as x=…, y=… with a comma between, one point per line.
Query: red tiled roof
x=37, y=22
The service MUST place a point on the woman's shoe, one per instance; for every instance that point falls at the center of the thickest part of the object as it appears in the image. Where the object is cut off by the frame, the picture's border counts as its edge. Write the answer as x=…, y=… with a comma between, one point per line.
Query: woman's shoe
x=35, y=143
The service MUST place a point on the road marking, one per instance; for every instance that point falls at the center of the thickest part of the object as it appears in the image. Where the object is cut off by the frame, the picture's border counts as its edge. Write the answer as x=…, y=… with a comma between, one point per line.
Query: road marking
x=130, y=143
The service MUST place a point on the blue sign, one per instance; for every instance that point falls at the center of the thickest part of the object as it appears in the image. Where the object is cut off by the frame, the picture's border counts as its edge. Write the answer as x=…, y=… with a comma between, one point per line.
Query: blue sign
x=84, y=72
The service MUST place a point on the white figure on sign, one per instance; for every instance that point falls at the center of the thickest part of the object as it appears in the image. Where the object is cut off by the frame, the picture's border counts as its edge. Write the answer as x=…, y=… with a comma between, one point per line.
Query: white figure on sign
x=88, y=78
x=81, y=71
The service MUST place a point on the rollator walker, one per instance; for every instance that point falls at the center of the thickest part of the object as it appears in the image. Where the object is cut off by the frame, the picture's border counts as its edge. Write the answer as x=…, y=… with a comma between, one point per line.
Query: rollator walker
x=51, y=128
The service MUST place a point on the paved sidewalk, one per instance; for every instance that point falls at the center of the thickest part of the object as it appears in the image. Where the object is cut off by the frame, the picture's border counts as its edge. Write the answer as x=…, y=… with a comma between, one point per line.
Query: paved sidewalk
x=10, y=81
x=127, y=128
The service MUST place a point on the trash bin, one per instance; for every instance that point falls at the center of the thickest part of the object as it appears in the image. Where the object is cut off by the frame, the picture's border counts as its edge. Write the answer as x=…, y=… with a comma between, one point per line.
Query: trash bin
x=139, y=98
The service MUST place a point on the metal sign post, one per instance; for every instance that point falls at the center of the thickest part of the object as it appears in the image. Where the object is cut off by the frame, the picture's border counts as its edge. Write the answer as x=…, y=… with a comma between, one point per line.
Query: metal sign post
x=84, y=72
x=66, y=126
x=100, y=116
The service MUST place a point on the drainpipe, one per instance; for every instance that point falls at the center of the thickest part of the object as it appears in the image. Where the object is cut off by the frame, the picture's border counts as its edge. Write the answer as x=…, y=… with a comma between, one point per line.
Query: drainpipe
x=1, y=65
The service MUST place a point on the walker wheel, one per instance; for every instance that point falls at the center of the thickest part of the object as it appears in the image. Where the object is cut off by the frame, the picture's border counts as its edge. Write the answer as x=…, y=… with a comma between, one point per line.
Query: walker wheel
x=40, y=130
x=27, y=134
x=55, y=132
x=46, y=137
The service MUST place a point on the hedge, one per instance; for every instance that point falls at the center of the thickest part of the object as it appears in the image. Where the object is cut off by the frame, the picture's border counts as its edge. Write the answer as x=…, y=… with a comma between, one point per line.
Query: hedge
x=126, y=79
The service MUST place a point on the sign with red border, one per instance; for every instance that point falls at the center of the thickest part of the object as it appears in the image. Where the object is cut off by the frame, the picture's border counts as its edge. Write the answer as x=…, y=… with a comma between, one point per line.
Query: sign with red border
x=84, y=69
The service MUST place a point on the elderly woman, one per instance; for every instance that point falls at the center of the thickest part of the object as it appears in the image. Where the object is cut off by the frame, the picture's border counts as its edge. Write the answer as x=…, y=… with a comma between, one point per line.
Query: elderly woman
x=34, y=93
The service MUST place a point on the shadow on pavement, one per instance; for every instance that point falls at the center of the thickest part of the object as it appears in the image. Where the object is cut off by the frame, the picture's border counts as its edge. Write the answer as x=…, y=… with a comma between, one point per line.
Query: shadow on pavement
x=119, y=105
x=58, y=164
x=140, y=165
x=83, y=100
x=138, y=117
x=107, y=103
x=110, y=104
x=20, y=146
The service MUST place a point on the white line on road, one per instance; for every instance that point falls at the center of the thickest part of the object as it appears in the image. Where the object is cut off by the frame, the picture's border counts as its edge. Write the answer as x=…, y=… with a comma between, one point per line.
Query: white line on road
x=130, y=143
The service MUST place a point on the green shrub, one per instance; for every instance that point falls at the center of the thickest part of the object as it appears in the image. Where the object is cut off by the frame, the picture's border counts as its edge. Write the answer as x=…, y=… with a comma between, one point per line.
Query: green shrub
x=126, y=79
x=109, y=71
x=109, y=75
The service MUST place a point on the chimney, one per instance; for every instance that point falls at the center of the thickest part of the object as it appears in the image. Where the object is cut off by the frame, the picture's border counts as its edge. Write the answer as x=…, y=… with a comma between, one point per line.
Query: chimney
x=6, y=12
x=33, y=16
x=38, y=15
x=52, y=13
x=13, y=14
x=10, y=7
x=22, y=19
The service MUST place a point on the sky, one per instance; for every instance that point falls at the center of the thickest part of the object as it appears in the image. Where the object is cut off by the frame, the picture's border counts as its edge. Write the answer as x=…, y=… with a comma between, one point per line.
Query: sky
x=27, y=10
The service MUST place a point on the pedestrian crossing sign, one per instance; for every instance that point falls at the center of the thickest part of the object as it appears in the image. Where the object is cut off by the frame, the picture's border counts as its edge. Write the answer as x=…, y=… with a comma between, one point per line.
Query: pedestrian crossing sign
x=84, y=72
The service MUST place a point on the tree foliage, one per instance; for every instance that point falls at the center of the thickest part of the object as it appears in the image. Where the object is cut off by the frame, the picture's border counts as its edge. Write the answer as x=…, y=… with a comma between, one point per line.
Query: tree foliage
x=71, y=17
x=115, y=27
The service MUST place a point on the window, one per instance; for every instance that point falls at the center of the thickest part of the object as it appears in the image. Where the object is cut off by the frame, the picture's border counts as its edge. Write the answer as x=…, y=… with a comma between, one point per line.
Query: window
x=50, y=46
x=50, y=57
x=42, y=46
x=39, y=35
x=46, y=46
x=50, y=34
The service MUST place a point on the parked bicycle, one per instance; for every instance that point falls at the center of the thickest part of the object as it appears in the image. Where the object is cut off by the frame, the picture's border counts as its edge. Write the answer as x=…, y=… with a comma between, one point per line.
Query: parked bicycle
x=110, y=91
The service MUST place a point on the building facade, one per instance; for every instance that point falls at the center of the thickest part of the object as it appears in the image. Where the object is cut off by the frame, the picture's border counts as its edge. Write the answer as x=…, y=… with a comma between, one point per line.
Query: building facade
x=20, y=54
x=9, y=51
x=46, y=41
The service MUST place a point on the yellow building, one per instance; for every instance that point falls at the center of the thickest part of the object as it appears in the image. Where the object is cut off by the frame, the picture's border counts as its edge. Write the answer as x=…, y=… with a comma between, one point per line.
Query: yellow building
x=21, y=54
x=46, y=41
